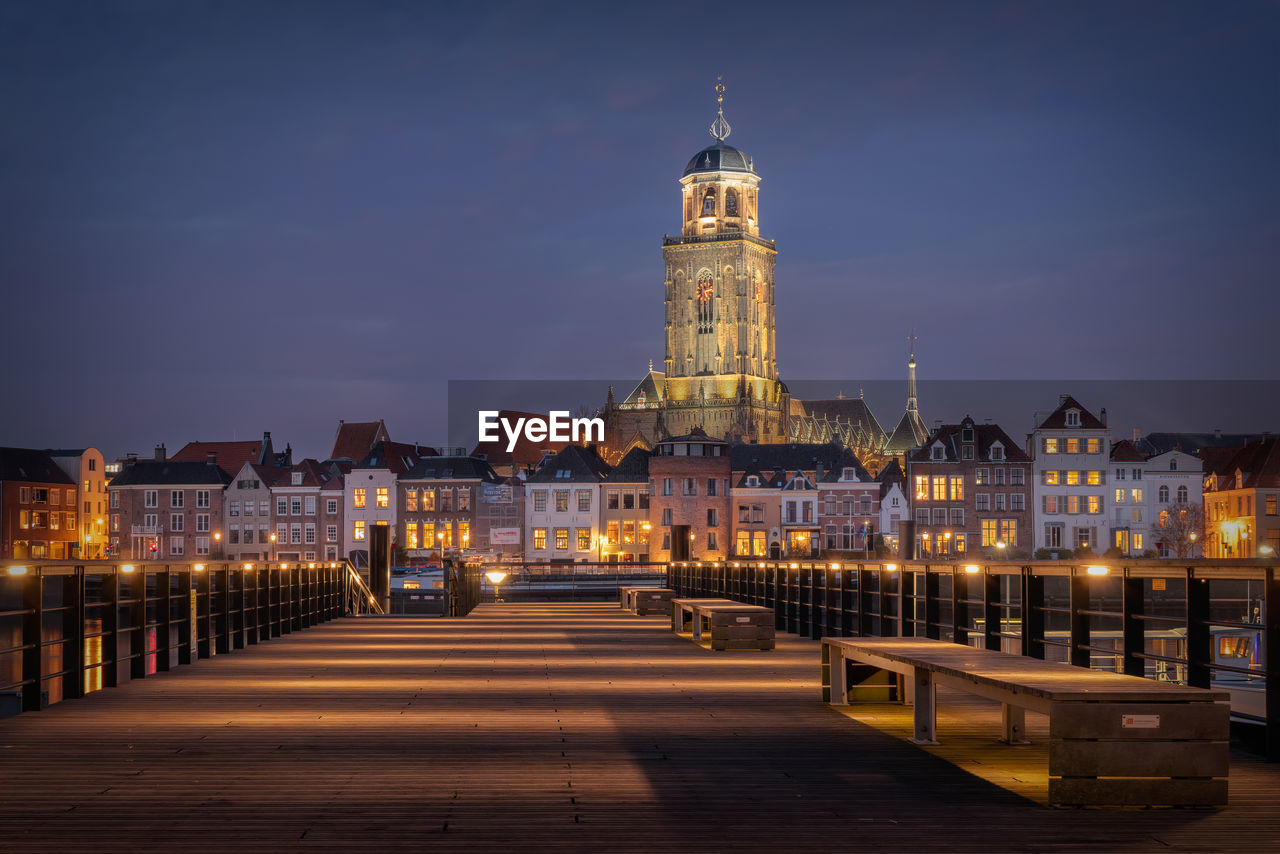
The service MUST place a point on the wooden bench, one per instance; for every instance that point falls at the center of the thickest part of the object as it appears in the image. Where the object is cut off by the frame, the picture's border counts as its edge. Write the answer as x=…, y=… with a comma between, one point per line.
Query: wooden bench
x=1114, y=740
x=647, y=600
x=731, y=625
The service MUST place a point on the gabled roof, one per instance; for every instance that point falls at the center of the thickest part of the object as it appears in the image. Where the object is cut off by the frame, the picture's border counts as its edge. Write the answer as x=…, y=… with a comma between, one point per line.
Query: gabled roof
x=852, y=411
x=355, y=439
x=314, y=474
x=231, y=456
x=891, y=476
x=633, y=468
x=170, y=472
x=452, y=468
x=27, y=465
x=650, y=386
x=1125, y=451
x=909, y=434
x=985, y=435
x=574, y=464
x=1254, y=466
x=1057, y=420
x=848, y=460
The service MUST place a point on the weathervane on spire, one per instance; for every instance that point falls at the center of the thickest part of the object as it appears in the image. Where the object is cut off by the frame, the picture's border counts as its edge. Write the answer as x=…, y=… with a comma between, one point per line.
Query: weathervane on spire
x=720, y=128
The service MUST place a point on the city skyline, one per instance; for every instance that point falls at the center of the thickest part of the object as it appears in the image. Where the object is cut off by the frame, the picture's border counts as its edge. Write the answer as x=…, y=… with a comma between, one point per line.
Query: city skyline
x=248, y=219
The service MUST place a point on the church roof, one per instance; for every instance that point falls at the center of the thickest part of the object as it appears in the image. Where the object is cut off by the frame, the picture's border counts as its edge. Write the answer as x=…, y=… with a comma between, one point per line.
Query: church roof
x=650, y=386
x=848, y=410
x=720, y=157
x=633, y=468
x=908, y=435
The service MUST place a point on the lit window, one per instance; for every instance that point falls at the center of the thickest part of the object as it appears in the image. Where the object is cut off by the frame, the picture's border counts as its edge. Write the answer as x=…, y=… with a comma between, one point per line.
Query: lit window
x=411, y=535
x=1095, y=478
x=383, y=499
x=1073, y=478
x=562, y=536
x=1009, y=532
x=562, y=504
x=1119, y=496
x=357, y=499
x=1073, y=504
x=357, y=532
x=1051, y=446
x=922, y=487
x=939, y=488
x=1095, y=504
x=957, y=489
x=411, y=500
x=1073, y=446
x=540, y=537
x=989, y=532
x=1093, y=446
x=1050, y=478
x=1136, y=495
x=584, y=539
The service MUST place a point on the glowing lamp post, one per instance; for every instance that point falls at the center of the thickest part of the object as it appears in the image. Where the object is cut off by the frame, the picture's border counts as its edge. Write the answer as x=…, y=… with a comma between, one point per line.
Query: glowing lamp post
x=496, y=577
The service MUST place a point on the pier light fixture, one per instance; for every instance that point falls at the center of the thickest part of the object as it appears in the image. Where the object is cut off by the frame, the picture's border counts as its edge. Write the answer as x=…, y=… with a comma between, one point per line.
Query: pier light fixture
x=835, y=566
x=284, y=566
x=1097, y=570
x=495, y=576
x=127, y=568
x=891, y=567
x=795, y=566
x=198, y=567
x=248, y=566
x=1265, y=550
x=17, y=570
x=971, y=568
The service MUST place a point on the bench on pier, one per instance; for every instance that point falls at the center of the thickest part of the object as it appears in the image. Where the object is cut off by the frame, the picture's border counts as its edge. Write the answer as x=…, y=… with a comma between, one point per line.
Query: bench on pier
x=731, y=625
x=647, y=600
x=1114, y=740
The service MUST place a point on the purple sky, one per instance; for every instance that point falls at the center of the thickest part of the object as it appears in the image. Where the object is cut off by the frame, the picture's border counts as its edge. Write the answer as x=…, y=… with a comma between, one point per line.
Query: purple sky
x=224, y=218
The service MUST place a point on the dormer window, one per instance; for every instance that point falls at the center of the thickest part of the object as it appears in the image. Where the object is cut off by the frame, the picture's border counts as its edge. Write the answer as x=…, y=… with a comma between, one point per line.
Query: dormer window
x=997, y=451
x=296, y=479
x=966, y=435
x=753, y=481
x=848, y=474
x=937, y=452
x=1073, y=417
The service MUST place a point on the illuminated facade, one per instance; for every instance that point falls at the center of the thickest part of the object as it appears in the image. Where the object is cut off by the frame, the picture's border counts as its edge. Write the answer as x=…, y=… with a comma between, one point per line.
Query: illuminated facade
x=720, y=371
x=1072, y=451
x=1242, y=503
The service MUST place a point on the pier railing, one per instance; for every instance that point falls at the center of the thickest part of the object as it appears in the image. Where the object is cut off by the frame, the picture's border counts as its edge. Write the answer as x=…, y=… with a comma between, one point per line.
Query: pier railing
x=1197, y=622
x=68, y=628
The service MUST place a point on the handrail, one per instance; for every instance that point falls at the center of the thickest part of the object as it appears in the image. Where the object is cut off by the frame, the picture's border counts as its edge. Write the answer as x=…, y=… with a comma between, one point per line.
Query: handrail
x=360, y=599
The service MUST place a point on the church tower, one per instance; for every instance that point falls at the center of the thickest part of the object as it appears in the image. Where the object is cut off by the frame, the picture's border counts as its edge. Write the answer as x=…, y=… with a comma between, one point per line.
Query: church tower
x=721, y=370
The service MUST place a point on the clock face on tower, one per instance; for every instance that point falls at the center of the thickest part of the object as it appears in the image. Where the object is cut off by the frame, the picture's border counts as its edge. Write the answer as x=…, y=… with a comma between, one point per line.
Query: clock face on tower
x=704, y=291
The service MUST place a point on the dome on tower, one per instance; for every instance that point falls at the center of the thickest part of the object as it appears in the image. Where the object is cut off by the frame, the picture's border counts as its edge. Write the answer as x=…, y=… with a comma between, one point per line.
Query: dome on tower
x=720, y=157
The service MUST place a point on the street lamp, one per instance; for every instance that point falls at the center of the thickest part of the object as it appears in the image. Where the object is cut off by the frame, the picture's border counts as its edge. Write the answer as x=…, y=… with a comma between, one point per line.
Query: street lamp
x=496, y=577
x=273, y=546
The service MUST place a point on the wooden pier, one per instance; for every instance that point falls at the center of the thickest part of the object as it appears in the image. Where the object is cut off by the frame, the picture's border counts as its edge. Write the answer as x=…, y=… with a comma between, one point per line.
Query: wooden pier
x=543, y=728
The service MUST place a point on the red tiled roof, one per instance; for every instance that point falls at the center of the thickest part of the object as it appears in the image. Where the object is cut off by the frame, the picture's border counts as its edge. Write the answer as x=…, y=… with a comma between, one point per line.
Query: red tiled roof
x=356, y=438
x=231, y=455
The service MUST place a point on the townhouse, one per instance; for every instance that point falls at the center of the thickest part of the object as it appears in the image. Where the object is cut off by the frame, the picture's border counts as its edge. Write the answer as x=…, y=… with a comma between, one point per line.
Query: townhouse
x=624, y=511
x=86, y=467
x=162, y=508
x=971, y=492
x=689, y=505
x=306, y=502
x=440, y=506
x=39, y=516
x=1242, y=501
x=1071, y=451
x=562, y=509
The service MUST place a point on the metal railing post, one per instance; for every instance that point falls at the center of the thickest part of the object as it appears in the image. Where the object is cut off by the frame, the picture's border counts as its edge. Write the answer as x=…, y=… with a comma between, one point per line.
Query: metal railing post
x=32, y=640
x=1134, y=636
x=1199, y=636
x=73, y=646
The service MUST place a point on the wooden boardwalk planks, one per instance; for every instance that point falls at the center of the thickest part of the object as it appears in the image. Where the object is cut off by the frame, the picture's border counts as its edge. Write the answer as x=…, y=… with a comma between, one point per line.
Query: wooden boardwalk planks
x=548, y=727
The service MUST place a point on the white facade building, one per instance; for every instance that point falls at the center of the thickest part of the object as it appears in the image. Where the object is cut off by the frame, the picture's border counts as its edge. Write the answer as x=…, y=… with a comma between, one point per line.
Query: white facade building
x=562, y=507
x=1072, y=499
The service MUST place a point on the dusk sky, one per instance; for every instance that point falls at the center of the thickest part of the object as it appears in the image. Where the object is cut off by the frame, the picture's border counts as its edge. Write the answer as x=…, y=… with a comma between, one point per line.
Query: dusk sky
x=224, y=218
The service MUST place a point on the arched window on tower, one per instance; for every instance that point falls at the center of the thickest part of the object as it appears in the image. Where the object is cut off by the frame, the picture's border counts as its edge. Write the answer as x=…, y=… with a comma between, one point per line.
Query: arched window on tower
x=709, y=203
x=703, y=294
x=731, y=202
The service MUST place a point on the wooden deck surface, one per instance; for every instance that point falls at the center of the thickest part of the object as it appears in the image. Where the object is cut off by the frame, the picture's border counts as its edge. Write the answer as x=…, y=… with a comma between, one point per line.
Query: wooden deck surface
x=543, y=728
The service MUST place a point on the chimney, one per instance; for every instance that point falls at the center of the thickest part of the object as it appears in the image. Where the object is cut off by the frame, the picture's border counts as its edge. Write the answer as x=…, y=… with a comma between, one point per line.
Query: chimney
x=161, y=454
x=1135, y=435
x=1102, y=416
x=130, y=459
x=211, y=458
x=1062, y=399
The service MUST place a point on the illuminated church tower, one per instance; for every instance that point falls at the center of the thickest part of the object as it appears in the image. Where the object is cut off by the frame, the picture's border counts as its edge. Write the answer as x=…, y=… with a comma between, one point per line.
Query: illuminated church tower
x=720, y=371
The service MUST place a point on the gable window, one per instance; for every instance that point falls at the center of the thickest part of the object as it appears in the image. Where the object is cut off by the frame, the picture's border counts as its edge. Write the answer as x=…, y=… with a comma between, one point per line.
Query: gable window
x=937, y=452
x=295, y=478
x=1073, y=418
x=997, y=452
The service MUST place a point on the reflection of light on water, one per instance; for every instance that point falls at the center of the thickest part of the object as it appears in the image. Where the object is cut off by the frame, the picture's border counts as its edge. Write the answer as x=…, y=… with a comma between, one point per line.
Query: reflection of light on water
x=92, y=657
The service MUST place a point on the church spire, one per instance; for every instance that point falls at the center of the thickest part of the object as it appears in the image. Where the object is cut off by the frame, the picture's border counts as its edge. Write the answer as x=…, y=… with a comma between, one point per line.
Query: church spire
x=720, y=128
x=911, y=373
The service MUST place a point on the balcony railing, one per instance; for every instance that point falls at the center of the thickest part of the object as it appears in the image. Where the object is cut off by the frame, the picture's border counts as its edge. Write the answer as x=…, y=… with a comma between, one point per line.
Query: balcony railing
x=146, y=530
x=718, y=237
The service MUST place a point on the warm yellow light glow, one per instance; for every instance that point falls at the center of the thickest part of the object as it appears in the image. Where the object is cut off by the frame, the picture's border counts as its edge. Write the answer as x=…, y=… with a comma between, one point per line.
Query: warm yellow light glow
x=495, y=576
x=645, y=525
x=947, y=535
x=273, y=538
x=1262, y=550
x=218, y=537
x=892, y=567
x=17, y=570
x=795, y=566
x=736, y=564
x=127, y=568
x=284, y=566
x=248, y=566
x=1097, y=570
x=971, y=568
x=199, y=567
x=1002, y=545
x=835, y=566
x=693, y=536
x=311, y=566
